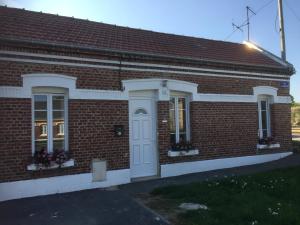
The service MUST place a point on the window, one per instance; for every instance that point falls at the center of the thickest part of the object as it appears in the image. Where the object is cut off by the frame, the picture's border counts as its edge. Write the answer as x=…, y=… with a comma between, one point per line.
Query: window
x=49, y=122
x=179, y=119
x=264, y=117
x=140, y=112
x=44, y=130
x=61, y=129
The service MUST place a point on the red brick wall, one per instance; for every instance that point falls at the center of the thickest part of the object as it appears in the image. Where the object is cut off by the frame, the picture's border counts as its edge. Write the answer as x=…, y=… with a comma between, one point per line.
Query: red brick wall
x=227, y=130
x=90, y=136
x=91, y=124
x=281, y=124
x=106, y=79
x=15, y=137
x=217, y=129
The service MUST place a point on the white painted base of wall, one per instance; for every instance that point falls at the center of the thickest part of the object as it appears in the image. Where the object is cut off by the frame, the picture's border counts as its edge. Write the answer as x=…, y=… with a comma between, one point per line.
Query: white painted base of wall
x=60, y=184
x=176, y=169
x=77, y=182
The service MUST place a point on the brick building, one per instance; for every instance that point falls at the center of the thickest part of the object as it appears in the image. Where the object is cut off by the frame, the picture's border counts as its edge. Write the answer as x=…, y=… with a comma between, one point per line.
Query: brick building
x=143, y=103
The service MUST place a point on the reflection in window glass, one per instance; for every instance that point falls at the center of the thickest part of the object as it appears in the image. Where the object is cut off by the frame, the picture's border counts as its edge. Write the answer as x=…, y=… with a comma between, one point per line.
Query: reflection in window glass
x=264, y=119
x=58, y=119
x=172, y=122
x=40, y=122
x=178, y=119
x=49, y=122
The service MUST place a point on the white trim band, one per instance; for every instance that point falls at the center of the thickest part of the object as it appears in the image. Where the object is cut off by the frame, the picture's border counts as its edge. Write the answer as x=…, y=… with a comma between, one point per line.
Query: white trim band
x=176, y=169
x=163, y=86
x=60, y=184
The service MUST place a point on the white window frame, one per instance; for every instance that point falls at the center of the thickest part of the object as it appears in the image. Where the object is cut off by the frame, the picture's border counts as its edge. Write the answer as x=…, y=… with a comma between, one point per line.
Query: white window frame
x=50, y=119
x=187, y=115
x=267, y=99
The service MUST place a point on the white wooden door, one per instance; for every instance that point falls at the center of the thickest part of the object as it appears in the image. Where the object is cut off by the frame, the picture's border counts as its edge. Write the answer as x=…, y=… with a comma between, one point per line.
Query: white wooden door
x=143, y=153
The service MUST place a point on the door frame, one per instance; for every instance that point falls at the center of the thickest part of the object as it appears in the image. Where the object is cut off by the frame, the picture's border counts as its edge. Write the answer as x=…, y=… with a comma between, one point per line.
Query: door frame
x=152, y=96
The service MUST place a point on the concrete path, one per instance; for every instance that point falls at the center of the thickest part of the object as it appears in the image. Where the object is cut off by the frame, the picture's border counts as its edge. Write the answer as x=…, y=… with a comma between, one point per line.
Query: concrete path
x=113, y=206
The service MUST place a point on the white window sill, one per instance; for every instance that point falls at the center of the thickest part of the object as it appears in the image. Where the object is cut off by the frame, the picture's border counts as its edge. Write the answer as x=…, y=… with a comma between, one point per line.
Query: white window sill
x=183, y=153
x=34, y=167
x=268, y=146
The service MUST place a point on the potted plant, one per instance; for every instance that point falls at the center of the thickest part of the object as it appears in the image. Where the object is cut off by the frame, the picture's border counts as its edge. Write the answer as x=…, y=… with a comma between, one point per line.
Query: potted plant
x=266, y=141
x=59, y=157
x=42, y=158
x=182, y=146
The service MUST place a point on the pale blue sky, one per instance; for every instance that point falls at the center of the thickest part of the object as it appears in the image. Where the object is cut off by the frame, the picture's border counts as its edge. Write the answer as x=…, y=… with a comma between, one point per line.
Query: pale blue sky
x=201, y=18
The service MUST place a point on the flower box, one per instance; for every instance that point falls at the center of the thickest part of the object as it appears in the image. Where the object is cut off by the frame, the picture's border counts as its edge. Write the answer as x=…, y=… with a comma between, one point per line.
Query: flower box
x=53, y=165
x=270, y=146
x=191, y=152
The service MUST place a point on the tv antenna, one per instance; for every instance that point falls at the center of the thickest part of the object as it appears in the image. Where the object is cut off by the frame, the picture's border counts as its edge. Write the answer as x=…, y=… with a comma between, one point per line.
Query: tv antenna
x=248, y=21
x=238, y=27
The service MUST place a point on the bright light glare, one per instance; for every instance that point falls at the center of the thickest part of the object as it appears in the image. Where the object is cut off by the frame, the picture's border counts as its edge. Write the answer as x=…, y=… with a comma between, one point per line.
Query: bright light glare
x=251, y=45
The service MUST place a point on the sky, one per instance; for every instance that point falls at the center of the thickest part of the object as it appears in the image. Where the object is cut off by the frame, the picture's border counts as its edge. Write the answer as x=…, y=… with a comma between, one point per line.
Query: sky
x=210, y=19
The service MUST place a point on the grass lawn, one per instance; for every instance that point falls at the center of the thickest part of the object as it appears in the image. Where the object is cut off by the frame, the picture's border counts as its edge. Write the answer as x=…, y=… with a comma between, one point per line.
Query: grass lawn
x=270, y=198
x=296, y=146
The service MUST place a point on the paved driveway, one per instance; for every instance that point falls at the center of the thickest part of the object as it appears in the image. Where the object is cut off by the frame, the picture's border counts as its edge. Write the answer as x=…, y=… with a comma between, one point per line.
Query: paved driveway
x=91, y=207
x=113, y=206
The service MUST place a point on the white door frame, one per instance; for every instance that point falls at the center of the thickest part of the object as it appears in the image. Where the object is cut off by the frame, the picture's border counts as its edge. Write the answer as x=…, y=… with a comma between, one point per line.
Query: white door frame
x=152, y=96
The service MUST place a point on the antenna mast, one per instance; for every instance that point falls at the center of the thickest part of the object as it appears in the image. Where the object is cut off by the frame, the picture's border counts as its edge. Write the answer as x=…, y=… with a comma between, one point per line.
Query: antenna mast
x=248, y=21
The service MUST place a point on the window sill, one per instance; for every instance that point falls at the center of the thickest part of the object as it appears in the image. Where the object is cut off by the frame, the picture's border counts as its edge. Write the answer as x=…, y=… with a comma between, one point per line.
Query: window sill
x=35, y=167
x=277, y=145
x=183, y=153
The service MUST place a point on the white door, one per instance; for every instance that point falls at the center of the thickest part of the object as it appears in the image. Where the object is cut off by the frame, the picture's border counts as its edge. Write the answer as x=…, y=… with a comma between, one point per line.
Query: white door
x=143, y=152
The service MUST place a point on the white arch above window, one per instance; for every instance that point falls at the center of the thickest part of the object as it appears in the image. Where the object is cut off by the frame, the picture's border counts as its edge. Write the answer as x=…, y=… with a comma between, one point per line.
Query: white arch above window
x=31, y=81
x=265, y=90
x=271, y=92
x=164, y=86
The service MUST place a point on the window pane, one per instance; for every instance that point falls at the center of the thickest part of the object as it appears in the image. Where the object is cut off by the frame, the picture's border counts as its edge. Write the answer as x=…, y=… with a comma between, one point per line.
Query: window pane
x=58, y=144
x=58, y=116
x=265, y=133
x=182, y=121
x=182, y=137
x=172, y=121
x=58, y=102
x=58, y=121
x=40, y=102
x=40, y=130
x=172, y=138
x=140, y=112
x=40, y=144
x=264, y=119
x=172, y=103
x=181, y=103
x=263, y=105
x=40, y=116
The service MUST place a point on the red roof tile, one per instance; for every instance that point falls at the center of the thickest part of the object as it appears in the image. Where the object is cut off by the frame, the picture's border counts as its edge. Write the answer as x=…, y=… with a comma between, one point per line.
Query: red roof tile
x=28, y=25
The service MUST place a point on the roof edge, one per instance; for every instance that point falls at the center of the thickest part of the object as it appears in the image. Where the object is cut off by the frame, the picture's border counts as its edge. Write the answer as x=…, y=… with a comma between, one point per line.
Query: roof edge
x=142, y=54
x=274, y=57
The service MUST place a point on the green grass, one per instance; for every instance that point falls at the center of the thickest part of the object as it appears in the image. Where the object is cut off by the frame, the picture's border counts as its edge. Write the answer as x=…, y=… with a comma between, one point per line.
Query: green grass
x=271, y=198
x=296, y=146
